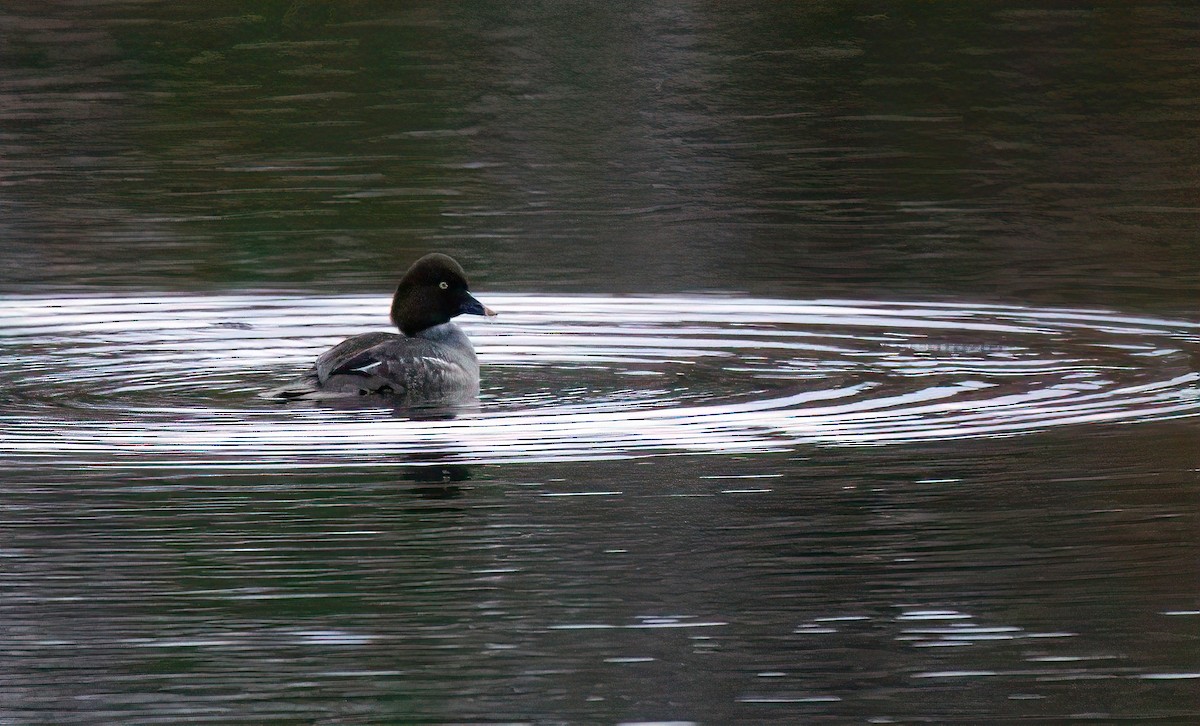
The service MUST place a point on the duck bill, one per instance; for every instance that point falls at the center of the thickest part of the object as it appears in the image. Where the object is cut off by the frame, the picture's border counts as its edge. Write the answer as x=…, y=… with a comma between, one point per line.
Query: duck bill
x=471, y=306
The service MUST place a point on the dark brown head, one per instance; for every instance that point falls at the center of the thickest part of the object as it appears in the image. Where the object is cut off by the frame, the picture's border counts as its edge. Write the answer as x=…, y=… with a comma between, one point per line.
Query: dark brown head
x=433, y=290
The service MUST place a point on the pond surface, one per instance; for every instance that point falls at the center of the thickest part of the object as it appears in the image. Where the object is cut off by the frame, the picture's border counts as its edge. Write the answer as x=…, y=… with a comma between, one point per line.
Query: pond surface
x=847, y=370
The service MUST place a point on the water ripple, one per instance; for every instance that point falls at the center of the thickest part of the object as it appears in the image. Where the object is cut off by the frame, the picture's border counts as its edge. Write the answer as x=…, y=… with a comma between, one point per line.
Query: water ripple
x=170, y=380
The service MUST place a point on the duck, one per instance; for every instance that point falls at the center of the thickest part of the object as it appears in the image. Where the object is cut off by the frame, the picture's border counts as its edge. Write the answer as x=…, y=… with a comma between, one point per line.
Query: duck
x=429, y=359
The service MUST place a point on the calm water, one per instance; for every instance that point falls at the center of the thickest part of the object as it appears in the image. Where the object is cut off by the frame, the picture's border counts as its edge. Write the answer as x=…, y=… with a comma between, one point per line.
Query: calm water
x=848, y=365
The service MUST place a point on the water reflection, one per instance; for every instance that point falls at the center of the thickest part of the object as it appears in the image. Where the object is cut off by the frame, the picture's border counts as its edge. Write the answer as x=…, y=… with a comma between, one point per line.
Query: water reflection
x=784, y=151
x=172, y=542
x=100, y=379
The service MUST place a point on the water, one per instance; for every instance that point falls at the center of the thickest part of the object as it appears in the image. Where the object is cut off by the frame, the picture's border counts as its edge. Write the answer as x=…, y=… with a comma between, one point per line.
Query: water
x=846, y=368
x=576, y=378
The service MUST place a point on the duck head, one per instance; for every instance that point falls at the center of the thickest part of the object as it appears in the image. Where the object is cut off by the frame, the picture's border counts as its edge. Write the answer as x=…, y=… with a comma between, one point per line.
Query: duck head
x=434, y=290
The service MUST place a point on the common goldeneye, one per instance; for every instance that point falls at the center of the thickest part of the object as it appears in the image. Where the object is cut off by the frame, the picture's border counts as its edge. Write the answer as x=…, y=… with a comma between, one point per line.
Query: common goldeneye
x=430, y=359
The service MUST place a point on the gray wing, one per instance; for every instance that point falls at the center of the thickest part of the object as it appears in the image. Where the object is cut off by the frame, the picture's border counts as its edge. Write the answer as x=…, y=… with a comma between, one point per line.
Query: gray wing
x=390, y=363
x=316, y=383
x=351, y=355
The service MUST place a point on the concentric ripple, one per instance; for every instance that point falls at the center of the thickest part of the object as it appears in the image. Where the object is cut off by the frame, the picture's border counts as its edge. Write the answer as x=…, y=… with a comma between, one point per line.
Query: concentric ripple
x=171, y=380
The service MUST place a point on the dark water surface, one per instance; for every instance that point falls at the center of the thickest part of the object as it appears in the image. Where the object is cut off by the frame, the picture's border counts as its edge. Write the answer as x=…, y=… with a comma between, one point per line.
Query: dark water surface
x=848, y=365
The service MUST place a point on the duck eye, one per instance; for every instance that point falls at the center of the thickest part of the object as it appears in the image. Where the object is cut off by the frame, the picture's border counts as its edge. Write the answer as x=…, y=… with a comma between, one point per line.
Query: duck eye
x=444, y=285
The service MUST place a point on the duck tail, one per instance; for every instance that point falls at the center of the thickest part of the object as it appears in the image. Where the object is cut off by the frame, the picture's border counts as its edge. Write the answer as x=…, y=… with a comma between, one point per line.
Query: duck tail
x=297, y=390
